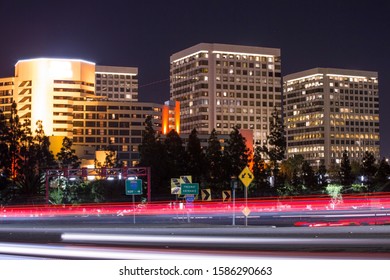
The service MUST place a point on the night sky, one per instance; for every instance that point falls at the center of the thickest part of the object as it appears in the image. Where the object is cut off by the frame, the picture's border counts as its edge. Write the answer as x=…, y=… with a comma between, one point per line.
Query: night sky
x=340, y=34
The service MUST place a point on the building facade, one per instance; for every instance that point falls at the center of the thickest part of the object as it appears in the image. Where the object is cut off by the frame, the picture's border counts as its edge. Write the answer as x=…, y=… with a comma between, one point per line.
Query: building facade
x=96, y=106
x=222, y=86
x=328, y=111
x=117, y=83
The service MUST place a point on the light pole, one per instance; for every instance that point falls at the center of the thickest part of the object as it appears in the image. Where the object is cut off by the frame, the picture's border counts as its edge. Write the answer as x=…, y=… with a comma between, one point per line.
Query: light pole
x=233, y=184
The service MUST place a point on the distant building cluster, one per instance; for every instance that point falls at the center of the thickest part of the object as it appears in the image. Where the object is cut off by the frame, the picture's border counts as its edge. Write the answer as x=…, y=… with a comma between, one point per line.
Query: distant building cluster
x=212, y=86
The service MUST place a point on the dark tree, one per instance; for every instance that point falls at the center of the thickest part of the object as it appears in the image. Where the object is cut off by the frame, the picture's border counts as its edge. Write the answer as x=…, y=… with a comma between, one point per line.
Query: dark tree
x=111, y=160
x=67, y=157
x=345, y=173
x=235, y=154
x=276, y=139
x=321, y=177
x=275, y=146
x=196, y=157
x=214, y=171
x=176, y=155
x=261, y=173
x=382, y=175
x=34, y=157
x=5, y=161
x=15, y=133
x=292, y=165
x=153, y=154
x=308, y=177
x=368, y=169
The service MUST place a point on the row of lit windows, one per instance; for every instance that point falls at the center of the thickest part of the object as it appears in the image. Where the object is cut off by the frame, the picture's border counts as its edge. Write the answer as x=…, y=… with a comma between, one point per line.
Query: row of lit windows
x=360, y=106
x=355, y=117
x=306, y=124
x=233, y=94
x=306, y=149
x=353, y=123
x=307, y=136
x=90, y=131
x=357, y=143
x=117, y=83
x=244, y=80
x=353, y=79
x=114, y=76
x=244, y=65
x=115, y=89
x=260, y=58
x=341, y=98
x=315, y=77
x=242, y=118
x=242, y=125
x=300, y=118
x=353, y=85
x=355, y=136
x=6, y=92
x=191, y=69
x=8, y=83
x=246, y=87
x=6, y=100
x=251, y=88
x=356, y=147
x=245, y=118
x=239, y=72
x=235, y=102
x=121, y=96
x=201, y=55
x=355, y=129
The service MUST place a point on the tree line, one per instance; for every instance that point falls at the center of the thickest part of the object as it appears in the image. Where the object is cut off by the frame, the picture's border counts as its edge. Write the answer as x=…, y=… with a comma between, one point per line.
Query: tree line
x=24, y=158
x=214, y=166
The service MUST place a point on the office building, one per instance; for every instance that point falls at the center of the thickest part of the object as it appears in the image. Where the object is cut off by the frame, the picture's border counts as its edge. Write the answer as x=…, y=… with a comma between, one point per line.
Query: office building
x=62, y=94
x=222, y=86
x=117, y=83
x=328, y=111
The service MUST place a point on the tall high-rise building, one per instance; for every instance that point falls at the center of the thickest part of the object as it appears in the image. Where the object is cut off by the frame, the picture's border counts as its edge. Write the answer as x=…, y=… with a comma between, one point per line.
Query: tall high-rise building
x=222, y=86
x=96, y=106
x=329, y=111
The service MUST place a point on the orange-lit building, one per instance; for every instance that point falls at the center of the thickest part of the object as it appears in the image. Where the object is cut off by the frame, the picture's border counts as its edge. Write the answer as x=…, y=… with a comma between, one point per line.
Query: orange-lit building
x=96, y=106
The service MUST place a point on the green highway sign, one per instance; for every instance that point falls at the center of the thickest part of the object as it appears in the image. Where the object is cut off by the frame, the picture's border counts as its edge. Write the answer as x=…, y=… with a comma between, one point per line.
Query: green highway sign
x=190, y=188
x=133, y=187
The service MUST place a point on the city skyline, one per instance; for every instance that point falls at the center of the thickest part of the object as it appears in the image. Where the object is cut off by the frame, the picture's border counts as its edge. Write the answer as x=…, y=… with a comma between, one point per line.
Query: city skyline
x=310, y=34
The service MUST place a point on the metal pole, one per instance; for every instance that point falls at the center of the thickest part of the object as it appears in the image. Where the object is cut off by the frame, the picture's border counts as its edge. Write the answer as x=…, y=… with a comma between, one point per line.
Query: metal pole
x=234, y=186
x=133, y=209
x=47, y=187
x=149, y=185
x=246, y=205
x=234, y=205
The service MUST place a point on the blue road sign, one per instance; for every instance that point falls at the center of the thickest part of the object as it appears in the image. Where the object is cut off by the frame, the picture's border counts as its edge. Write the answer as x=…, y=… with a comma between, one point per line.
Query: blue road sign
x=133, y=187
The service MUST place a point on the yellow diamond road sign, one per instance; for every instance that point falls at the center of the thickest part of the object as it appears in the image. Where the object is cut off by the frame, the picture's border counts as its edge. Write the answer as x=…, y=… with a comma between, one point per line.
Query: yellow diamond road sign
x=246, y=176
x=246, y=211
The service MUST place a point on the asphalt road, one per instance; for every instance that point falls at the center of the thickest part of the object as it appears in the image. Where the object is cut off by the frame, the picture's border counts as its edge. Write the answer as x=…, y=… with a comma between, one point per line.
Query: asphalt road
x=196, y=236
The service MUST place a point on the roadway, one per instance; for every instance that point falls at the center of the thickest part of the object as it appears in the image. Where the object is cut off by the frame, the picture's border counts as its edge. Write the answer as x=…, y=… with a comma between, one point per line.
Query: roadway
x=189, y=235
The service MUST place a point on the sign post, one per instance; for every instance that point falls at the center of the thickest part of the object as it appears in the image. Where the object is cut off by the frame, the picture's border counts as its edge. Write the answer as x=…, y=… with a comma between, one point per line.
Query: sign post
x=234, y=187
x=133, y=187
x=246, y=177
x=189, y=190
